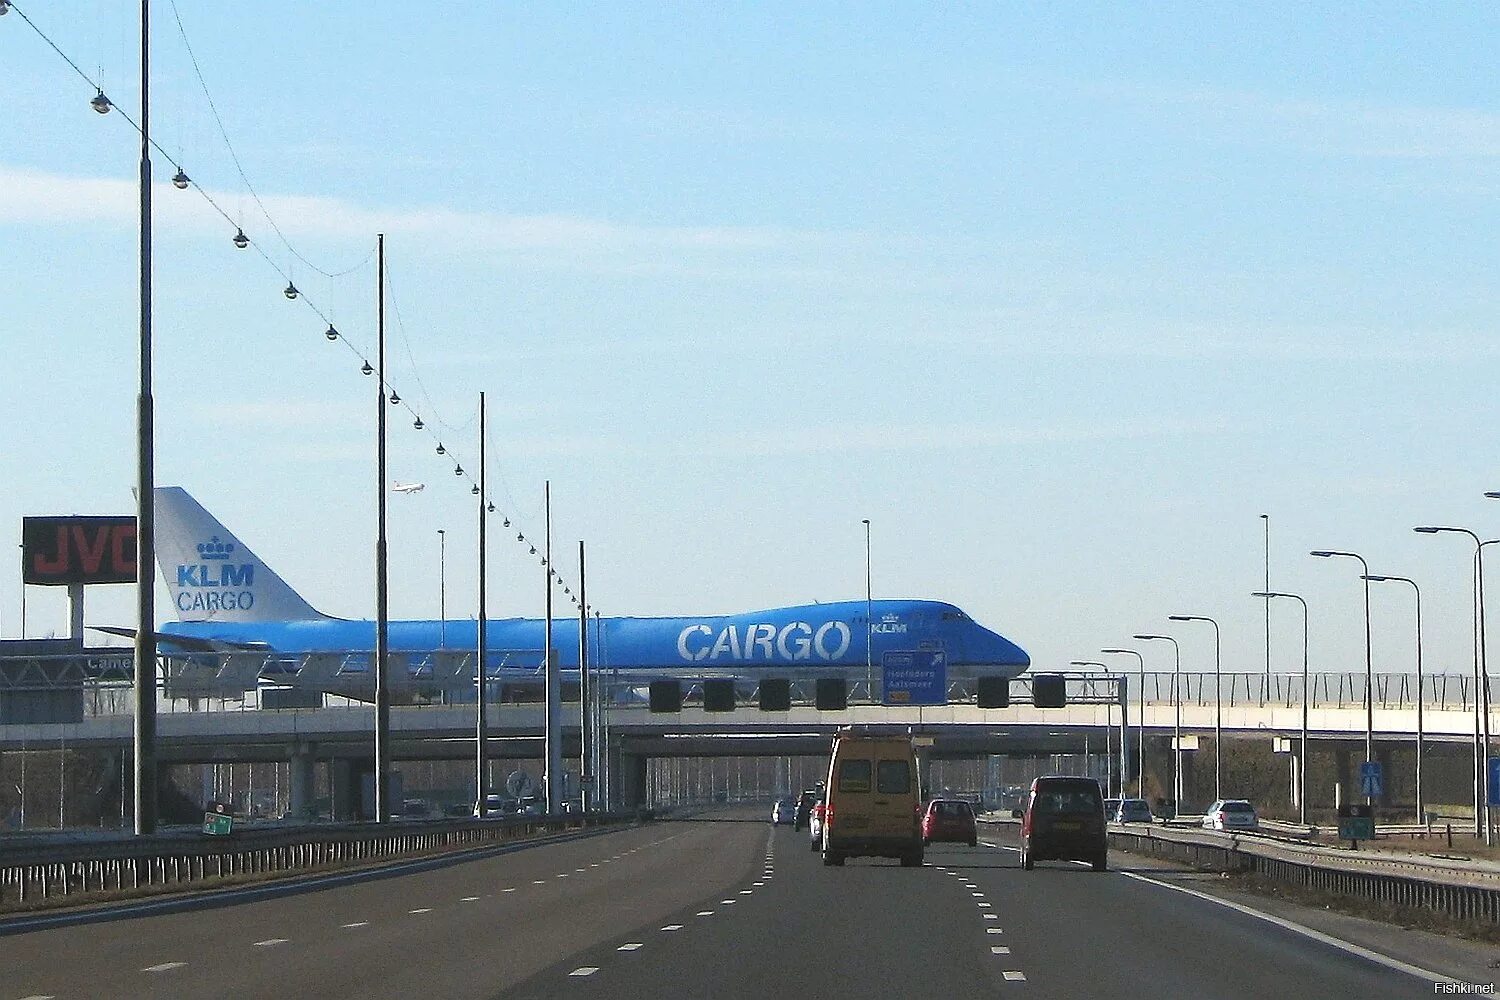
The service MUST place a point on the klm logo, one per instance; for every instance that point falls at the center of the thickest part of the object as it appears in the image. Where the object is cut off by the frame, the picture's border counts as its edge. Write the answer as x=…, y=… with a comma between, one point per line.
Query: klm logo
x=215, y=583
x=888, y=625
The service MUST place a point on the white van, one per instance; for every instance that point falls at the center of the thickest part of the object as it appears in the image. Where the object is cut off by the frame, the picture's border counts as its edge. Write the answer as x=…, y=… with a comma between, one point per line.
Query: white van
x=873, y=806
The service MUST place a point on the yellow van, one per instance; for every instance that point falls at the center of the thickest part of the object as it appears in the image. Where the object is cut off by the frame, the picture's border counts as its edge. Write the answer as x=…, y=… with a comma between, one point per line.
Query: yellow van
x=874, y=807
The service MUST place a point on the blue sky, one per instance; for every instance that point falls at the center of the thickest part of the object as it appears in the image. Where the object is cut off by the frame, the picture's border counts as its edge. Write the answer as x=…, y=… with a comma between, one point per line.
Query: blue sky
x=1062, y=298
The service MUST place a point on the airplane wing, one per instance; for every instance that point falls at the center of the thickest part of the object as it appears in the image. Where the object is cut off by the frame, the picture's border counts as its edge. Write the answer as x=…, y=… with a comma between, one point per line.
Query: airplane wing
x=192, y=645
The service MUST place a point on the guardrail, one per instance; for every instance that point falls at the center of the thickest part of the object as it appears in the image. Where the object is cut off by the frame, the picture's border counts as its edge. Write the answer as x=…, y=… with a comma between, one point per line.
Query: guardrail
x=33, y=874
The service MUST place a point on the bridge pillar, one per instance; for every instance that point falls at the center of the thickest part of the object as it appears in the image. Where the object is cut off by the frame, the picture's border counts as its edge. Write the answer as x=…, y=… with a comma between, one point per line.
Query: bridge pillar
x=629, y=772
x=300, y=793
x=347, y=778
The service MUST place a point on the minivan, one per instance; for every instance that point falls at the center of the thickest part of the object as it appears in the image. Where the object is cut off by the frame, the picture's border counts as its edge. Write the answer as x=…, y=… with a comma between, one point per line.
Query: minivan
x=873, y=807
x=1063, y=821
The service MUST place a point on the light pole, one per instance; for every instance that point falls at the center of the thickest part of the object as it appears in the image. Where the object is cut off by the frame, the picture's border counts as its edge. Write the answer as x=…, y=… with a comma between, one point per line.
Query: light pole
x=1140, y=720
x=1218, y=704
x=1124, y=754
x=869, y=622
x=442, y=588
x=1266, y=588
x=1481, y=685
x=1302, y=748
x=1177, y=716
x=1417, y=591
x=1369, y=669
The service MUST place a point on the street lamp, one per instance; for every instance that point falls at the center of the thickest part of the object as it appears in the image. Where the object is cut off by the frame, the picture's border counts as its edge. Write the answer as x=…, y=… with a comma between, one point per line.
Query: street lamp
x=869, y=622
x=1177, y=716
x=1124, y=754
x=1481, y=684
x=1302, y=749
x=1418, y=592
x=1218, y=704
x=1140, y=720
x=442, y=589
x=1369, y=669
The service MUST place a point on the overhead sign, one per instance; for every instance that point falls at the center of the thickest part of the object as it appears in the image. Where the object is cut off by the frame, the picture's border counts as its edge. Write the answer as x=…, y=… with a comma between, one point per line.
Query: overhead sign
x=1370, y=782
x=1494, y=782
x=57, y=551
x=915, y=677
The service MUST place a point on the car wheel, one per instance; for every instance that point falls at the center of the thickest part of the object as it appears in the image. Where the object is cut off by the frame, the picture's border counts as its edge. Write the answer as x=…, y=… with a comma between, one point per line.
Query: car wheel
x=973, y=841
x=812, y=845
x=1101, y=863
x=833, y=859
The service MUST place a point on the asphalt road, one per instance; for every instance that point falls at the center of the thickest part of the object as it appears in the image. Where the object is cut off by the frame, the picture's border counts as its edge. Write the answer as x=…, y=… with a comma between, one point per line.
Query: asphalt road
x=715, y=907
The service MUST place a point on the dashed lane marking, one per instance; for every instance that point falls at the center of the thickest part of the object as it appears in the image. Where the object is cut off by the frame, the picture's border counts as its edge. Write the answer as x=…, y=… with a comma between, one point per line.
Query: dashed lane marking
x=270, y=942
x=538, y=881
x=999, y=949
x=993, y=930
x=977, y=895
x=511, y=889
x=984, y=904
x=587, y=970
x=357, y=923
x=672, y=927
x=632, y=946
x=469, y=899
x=990, y=916
x=40, y=996
x=1014, y=976
x=747, y=892
x=421, y=909
x=164, y=967
x=705, y=913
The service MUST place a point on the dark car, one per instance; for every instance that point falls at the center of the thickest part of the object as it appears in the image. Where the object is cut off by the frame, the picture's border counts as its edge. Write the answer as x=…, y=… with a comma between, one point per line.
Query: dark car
x=949, y=820
x=804, y=808
x=1063, y=821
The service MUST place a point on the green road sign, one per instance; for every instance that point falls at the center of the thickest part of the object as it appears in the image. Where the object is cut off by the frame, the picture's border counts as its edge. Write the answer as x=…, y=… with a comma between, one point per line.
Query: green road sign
x=218, y=824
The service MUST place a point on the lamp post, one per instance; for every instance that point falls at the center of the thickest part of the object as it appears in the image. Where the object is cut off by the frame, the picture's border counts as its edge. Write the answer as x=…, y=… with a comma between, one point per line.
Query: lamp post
x=1369, y=669
x=1218, y=704
x=1124, y=755
x=1417, y=592
x=1140, y=720
x=1302, y=748
x=1481, y=685
x=442, y=588
x=1266, y=587
x=1177, y=716
x=869, y=622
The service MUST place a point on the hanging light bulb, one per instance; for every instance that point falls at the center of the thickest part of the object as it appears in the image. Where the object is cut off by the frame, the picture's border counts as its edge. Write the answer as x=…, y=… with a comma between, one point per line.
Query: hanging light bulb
x=331, y=333
x=241, y=240
x=519, y=537
x=180, y=179
x=491, y=509
x=366, y=369
x=533, y=550
x=507, y=522
x=441, y=450
x=4, y=7
x=395, y=399
x=458, y=470
x=100, y=103
x=475, y=489
x=417, y=423
x=290, y=291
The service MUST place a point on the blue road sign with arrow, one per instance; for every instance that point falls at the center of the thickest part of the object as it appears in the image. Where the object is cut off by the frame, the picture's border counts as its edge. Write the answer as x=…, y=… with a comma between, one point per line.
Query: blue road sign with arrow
x=1370, y=779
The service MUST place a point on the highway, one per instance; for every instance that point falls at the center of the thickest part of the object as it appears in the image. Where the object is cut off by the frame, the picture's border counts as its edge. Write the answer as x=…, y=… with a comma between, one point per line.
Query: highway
x=718, y=906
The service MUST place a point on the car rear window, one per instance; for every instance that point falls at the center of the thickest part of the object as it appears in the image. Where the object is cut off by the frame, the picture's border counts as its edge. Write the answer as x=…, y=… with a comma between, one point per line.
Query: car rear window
x=893, y=777
x=1066, y=800
x=854, y=776
x=1238, y=807
x=951, y=808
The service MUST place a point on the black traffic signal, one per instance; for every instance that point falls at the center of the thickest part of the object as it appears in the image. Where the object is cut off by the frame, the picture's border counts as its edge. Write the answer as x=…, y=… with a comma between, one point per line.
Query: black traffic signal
x=833, y=695
x=718, y=695
x=666, y=696
x=994, y=692
x=1048, y=691
x=775, y=694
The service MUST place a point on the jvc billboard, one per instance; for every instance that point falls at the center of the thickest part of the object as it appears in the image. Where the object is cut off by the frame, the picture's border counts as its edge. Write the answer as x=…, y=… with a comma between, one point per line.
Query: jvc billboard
x=56, y=551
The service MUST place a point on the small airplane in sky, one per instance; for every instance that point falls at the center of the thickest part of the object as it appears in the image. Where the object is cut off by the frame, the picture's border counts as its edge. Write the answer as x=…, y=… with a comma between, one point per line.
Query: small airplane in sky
x=400, y=487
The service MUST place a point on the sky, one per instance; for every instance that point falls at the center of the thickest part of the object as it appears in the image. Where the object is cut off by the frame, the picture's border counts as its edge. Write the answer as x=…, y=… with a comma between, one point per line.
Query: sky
x=1061, y=297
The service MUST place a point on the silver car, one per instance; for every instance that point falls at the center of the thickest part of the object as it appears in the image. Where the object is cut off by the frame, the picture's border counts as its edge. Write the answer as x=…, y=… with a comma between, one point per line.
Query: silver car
x=785, y=811
x=1133, y=811
x=1231, y=814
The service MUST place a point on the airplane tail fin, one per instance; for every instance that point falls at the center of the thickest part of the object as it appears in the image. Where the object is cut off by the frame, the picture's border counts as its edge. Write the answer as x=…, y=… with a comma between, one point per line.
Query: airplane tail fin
x=211, y=574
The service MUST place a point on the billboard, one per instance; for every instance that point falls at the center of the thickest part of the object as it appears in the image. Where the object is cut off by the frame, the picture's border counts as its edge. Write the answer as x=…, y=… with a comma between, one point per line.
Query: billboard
x=57, y=551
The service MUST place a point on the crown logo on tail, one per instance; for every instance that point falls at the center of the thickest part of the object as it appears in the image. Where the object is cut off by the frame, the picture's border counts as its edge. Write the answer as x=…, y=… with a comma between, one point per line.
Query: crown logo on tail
x=215, y=549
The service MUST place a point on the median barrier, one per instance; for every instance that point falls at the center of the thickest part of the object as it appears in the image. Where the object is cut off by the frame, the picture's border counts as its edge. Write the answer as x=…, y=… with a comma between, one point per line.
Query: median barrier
x=37, y=873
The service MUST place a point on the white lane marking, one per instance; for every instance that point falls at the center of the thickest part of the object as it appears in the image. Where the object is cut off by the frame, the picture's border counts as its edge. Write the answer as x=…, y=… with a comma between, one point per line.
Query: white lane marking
x=705, y=913
x=538, y=881
x=587, y=970
x=977, y=895
x=511, y=889
x=1296, y=928
x=990, y=916
x=164, y=967
x=469, y=899
x=994, y=930
x=757, y=884
x=984, y=904
x=40, y=996
x=1014, y=976
x=632, y=946
x=563, y=875
x=999, y=949
x=672, y=927
x=270, y=942
x=729, y=902
x=592, y=865
x=357, y=923
x=747, y=892
x=421, y=909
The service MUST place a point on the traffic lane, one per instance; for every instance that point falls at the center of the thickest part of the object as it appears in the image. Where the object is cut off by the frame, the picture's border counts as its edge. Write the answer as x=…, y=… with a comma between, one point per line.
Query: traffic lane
x=454, y=931
x=870, y=928
x=1076, y=931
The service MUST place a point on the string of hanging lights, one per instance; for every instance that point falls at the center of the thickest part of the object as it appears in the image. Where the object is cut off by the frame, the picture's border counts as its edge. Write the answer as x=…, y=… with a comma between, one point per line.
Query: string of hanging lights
x=181, y=180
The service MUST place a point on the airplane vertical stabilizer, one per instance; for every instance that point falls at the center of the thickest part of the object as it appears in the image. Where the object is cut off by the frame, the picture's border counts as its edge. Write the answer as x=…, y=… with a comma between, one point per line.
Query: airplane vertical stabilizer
x=212, y=575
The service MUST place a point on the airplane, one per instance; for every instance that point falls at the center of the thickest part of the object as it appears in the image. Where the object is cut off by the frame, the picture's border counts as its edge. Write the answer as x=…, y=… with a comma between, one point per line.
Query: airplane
x=227, y=600
x=400, y=487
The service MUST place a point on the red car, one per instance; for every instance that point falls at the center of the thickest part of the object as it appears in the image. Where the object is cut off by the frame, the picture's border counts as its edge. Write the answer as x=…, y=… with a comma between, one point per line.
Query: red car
x=950, y=820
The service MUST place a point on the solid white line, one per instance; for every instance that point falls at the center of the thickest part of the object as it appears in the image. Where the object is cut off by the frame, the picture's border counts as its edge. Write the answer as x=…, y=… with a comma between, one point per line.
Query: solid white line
x=269, y=942
x=672, y=927
x=587, y=970
x=1296, y=928
x=632, y=946
x=164, y=967
x=358, y=923
x=999, y=949
x=1013, y=976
